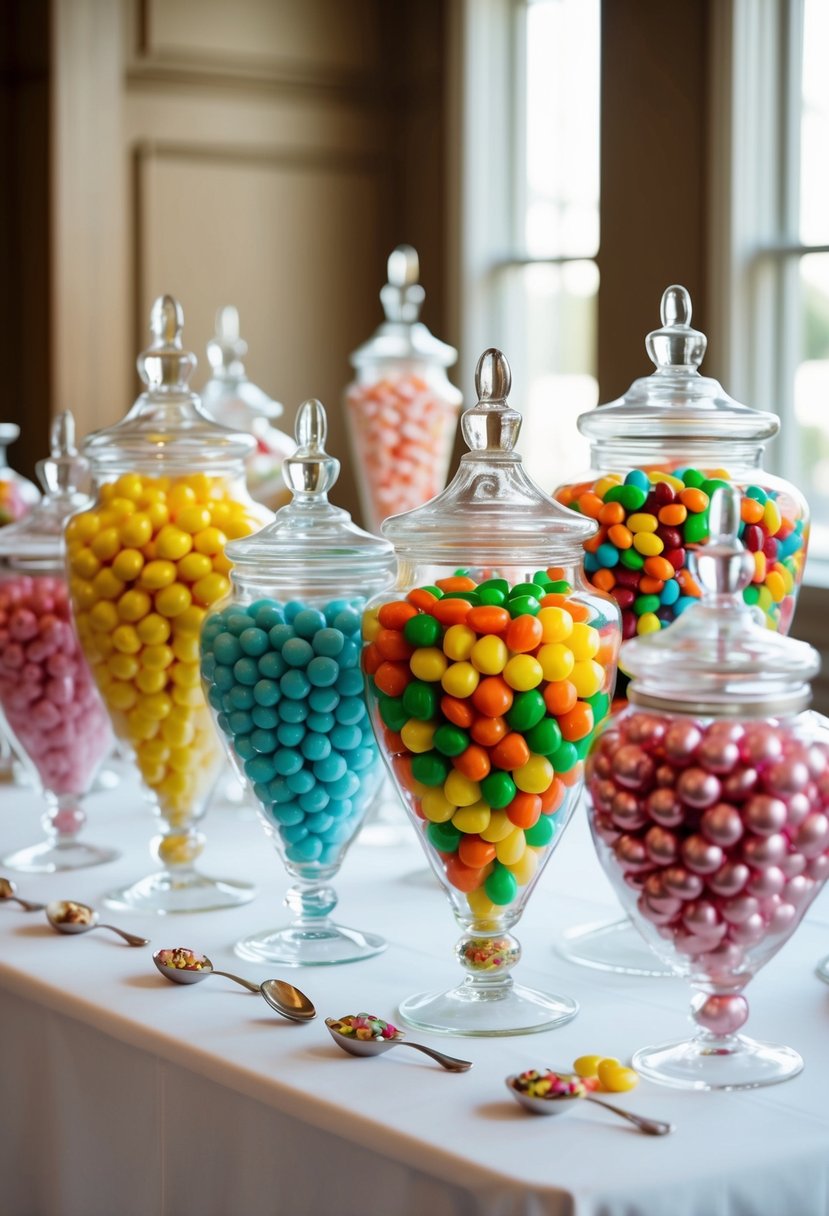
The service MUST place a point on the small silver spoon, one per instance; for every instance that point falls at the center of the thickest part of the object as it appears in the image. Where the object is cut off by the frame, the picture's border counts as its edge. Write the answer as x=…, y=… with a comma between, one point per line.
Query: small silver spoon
x=563, y=1104
x=60, y=915
x=376, y=1047
x=280, y=995
x=8, y=890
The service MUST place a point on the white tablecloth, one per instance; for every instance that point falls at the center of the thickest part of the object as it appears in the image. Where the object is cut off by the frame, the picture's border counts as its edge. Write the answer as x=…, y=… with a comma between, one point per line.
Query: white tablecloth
x=123, y=1095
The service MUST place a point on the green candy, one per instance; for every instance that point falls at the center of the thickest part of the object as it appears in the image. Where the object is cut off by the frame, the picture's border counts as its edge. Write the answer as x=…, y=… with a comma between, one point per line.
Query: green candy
x=527, y=710
x=420, y=701
x=542, y=578
x=632, y=559
x=498, y=789
x=544, y=738
x=472, y=596
x=564, y=758
x=501, y=886
x=523, y=605
x=392, y=712
x=521, y=589
x=431, y=768
x=422, y=630
x=646, y=603
x=632, y=498
x=600, y=703
x=436, y=592
x=540, y=834
x=494, y=584
x=451, y=740
x=491, y=596
x=559, y=587
x=445, y=837
x=583, y=745
x=751, y=594
x=693, y=478
x=714, y=483
x=695, y=528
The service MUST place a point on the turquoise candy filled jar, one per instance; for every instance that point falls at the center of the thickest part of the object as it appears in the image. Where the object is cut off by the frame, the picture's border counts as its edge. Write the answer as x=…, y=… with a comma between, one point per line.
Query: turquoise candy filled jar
x=281, y=671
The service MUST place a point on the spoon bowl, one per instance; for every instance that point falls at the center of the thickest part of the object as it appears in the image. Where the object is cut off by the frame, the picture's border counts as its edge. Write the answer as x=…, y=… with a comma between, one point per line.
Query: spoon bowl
x=565, y=1104
x=8, y=890
x=69, y=916
x=283, y=997
x=376, y=1047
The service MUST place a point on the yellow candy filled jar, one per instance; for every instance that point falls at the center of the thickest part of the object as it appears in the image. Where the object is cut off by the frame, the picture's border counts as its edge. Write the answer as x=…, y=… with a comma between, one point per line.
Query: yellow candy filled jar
x=488, y=668
x=145, y=564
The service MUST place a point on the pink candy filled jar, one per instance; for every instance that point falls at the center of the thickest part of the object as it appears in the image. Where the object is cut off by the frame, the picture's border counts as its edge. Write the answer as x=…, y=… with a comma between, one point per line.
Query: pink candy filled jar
x=708, y=799
x=51, y=709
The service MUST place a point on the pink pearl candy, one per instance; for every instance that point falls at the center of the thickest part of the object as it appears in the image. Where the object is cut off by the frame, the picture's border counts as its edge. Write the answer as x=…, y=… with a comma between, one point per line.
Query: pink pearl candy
x=720, y=1015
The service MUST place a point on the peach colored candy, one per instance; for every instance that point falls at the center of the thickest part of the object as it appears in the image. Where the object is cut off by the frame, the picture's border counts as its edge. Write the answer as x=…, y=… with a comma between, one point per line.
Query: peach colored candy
x=46, y=689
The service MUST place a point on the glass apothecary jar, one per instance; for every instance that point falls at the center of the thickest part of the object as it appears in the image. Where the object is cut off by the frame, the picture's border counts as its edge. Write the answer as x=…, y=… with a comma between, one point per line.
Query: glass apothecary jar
x=658, y=453
x=401, y=409
x=232, y=400
x=489, y=666
x=146, y=562
x=17, y=493
x=281, y=671
x=709, y=805
x=50, y=707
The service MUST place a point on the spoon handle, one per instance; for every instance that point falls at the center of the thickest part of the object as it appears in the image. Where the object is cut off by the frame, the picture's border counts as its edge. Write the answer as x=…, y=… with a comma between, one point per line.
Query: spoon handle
x=26, y=904
x=450, y=1063
x=237, y=979
x=130, y=938
x=651, y=1127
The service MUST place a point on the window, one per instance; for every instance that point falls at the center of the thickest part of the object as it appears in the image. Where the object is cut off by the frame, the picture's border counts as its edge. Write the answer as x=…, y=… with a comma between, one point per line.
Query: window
x=531, y=212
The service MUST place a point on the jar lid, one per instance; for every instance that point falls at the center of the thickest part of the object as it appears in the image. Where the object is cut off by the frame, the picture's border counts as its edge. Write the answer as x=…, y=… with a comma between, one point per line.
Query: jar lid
x=167, y=426
x=492, y=511
x=675, y=401
x=37, y=538
x=402, y=336
x=717, y=657
x=310, y=540
x=228, y=396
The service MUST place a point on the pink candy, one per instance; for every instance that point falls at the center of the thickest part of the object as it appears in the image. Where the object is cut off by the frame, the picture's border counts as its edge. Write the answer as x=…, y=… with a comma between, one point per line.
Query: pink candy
x=721, y=831
x=46, y=690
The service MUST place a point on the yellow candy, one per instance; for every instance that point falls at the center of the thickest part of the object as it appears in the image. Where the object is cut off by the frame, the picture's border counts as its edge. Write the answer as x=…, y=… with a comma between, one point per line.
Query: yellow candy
x=156, y=658
x=211, y=588
x=128, y=564
x=136, y=530
x=158, y=514
x=606, y=483
x=84, y=563
x=460, y=680
x=771, y=517
x=583, y=641
x=133, y=605
x=535, y=776
x=787, y=577
x=556, y=661
x=648, y=544
x=157, y=574
x=82, y=527
x=500, y=826
x=587, y=1066
x=428, y=663
x=176, y=733
x=193, y=519
x=759, y=567
x=172, y=544
x=190, y=621
x=123, y=666
x=436, y=806
x=524, y=869
x=210, y=541
x=185, y=675
x=556, y=624
x=153, y=629
x=129, y=485
x=460, y=791
x=615, y=1078
x=106, y=586
x=120, y=695
x=186, y=648
x=170, y=601
x=180, y=496
x=482, y=907
x=106, y=544
x=587, y=676
x=150, y=681
x=510, y=850
x=370, y=624
x=104, y=616
x=156, y=705
x=775, y=585
x=458, y=641
x=472, y=819
x=648, y=622
x=523, y=672
x=676, y=483
x=418, y=736
x=194, y=566
x=125, y=639
x=192, y=697
x=489, y=655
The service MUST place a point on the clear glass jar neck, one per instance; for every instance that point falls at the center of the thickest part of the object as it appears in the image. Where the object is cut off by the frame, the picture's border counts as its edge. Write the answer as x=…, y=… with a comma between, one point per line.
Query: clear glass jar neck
x=625, y=452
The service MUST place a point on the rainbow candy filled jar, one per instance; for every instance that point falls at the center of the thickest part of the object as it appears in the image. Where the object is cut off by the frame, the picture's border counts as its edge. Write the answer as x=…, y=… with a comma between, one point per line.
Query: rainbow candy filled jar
x=50, y=705
x=489, y=667
x=146, y=562
x=709, y=805
x=658, y=454
x=281, y=671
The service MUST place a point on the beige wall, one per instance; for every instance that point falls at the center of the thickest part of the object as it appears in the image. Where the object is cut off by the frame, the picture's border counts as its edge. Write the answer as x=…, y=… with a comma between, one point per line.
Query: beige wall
x=269, y=154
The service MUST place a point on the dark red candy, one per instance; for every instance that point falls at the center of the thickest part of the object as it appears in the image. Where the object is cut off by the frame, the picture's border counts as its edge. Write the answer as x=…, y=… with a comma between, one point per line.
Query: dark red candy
x=675, y=556
x=754, y=537
x=627, y=578
x=623, y=596
x=629, y=620
x=770, y=548
x=663, y=493
x=651, y=506
x=670, y=537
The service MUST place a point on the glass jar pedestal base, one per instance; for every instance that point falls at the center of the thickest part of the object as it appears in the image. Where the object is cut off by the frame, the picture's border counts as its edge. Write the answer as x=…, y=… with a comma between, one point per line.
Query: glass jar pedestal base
x=612, y=946
x=169, y=891
x=320, y=945
x=712, y=1062
x=50, y=857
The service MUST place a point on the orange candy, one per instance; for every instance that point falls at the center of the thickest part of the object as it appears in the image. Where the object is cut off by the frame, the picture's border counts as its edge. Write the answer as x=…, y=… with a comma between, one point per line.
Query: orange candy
x=488, y=619
x=577, y=723
x=525, y=810
x=392, y=645
x=473, y=763
x=456, y=582
x=421, y=598
x=488, y=731
x=695, y=500
x=604, y=579
x=492, y=697
x=553, y=796
x=395, y=614
x=560, y=697
x=651, y=586
x=659, y=568
x=461, y=876
x=751, y=511
x=475, y=853
x=579, y=612
x=402, y=765
x=371, y=659
x=590, y=505
x=457, y=711
x=392, y=678
x=621, y=536
x=523, y=633
x=674, y=514
x=393, y=741
x=450, y=612
x=612, y=513
x=512, y=752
